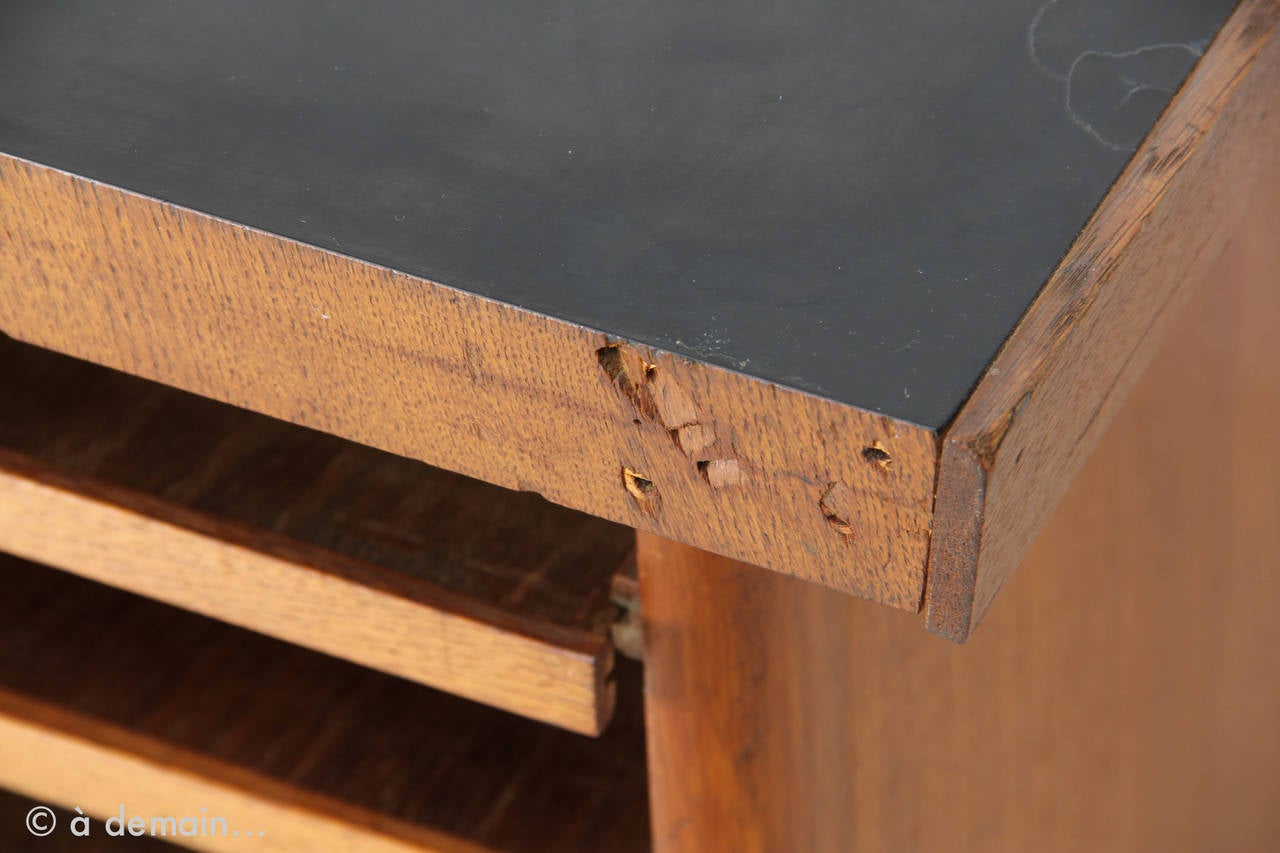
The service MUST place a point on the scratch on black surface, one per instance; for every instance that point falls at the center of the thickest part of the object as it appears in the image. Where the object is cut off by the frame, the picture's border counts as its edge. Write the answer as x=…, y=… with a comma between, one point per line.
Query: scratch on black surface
x=1133, y=85
x=1031, y=41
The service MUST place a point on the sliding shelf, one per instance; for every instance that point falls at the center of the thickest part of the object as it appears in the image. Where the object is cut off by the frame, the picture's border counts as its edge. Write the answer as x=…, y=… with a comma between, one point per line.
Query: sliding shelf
x=109, y=699
x=494, y=595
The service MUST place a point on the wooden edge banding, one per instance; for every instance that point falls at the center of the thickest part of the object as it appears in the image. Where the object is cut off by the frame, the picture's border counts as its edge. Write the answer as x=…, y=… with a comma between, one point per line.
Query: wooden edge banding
x=62, y=757
x=954, y=552
x=307, y=596
x=693, y=452
x=1020, y=438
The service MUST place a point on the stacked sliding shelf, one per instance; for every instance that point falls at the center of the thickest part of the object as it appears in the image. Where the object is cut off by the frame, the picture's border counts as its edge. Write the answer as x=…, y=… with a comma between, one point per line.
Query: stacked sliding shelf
x=409, y=571
x=491, y=594
x=108, y=700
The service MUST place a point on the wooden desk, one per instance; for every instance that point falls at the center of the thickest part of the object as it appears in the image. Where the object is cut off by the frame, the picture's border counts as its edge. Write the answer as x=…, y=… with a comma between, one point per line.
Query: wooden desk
x=831, y=305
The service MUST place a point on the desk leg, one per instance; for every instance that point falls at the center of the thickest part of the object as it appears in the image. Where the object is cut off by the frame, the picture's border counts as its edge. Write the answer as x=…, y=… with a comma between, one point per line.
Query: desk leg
x=747, y=705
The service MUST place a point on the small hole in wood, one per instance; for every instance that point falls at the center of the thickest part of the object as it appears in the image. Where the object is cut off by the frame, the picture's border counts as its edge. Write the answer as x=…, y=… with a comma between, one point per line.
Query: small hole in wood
x=837, y=503
x=610, y=358
x=839, y=525
x=876, y=454
x=636, y=484
x=641, y=489
x=628, y=374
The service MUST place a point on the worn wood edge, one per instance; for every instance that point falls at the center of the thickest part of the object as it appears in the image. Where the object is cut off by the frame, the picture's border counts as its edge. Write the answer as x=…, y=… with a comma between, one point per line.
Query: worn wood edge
x=725, y=462
x=308, y=596
x=62, y=757
x=973, y=551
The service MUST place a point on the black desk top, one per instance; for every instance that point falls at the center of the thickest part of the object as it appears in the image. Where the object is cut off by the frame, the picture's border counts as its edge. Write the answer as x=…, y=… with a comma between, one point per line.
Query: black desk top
x=857, y=200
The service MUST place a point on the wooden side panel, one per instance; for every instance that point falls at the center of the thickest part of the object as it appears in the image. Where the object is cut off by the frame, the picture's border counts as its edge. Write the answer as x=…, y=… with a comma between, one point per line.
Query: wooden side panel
x=1122, y=697
x=748, y=705
x=727, y=463
x=1024, y=433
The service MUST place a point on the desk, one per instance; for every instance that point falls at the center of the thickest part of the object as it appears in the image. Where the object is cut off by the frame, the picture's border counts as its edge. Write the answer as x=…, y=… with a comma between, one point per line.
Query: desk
x=831, y=305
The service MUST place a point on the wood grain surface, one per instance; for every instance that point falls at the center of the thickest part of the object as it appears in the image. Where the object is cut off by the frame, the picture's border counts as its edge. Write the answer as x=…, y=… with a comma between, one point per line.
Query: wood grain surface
x=747, y=706
x=504, y=395
x=1121, y=697
x=1028, y=427
x=495, y=595
x=108, y=698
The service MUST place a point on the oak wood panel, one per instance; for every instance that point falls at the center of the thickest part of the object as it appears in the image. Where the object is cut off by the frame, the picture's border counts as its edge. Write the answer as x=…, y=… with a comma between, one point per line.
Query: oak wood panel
x=109, y=698
x=745, y=706
x=1028, y=427
x=494, y=595
x=1122, y=697
x=508, y=396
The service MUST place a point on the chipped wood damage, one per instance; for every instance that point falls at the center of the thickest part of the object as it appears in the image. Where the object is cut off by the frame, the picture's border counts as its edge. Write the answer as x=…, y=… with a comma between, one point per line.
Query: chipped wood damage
x=656, y=396
x=702, y=456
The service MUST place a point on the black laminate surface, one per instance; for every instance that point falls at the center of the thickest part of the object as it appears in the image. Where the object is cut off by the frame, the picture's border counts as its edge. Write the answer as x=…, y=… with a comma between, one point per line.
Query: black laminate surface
x=854, y=199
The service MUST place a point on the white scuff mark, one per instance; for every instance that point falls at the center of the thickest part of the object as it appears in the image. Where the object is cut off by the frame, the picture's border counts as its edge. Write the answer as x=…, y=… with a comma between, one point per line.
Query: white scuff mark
x=1031, y=41
x=1134, y=87
x=1195, y=49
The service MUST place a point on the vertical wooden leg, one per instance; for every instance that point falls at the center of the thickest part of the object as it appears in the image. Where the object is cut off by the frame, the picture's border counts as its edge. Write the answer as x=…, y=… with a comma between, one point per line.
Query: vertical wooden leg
x=1123, y=693
x=747, y=705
